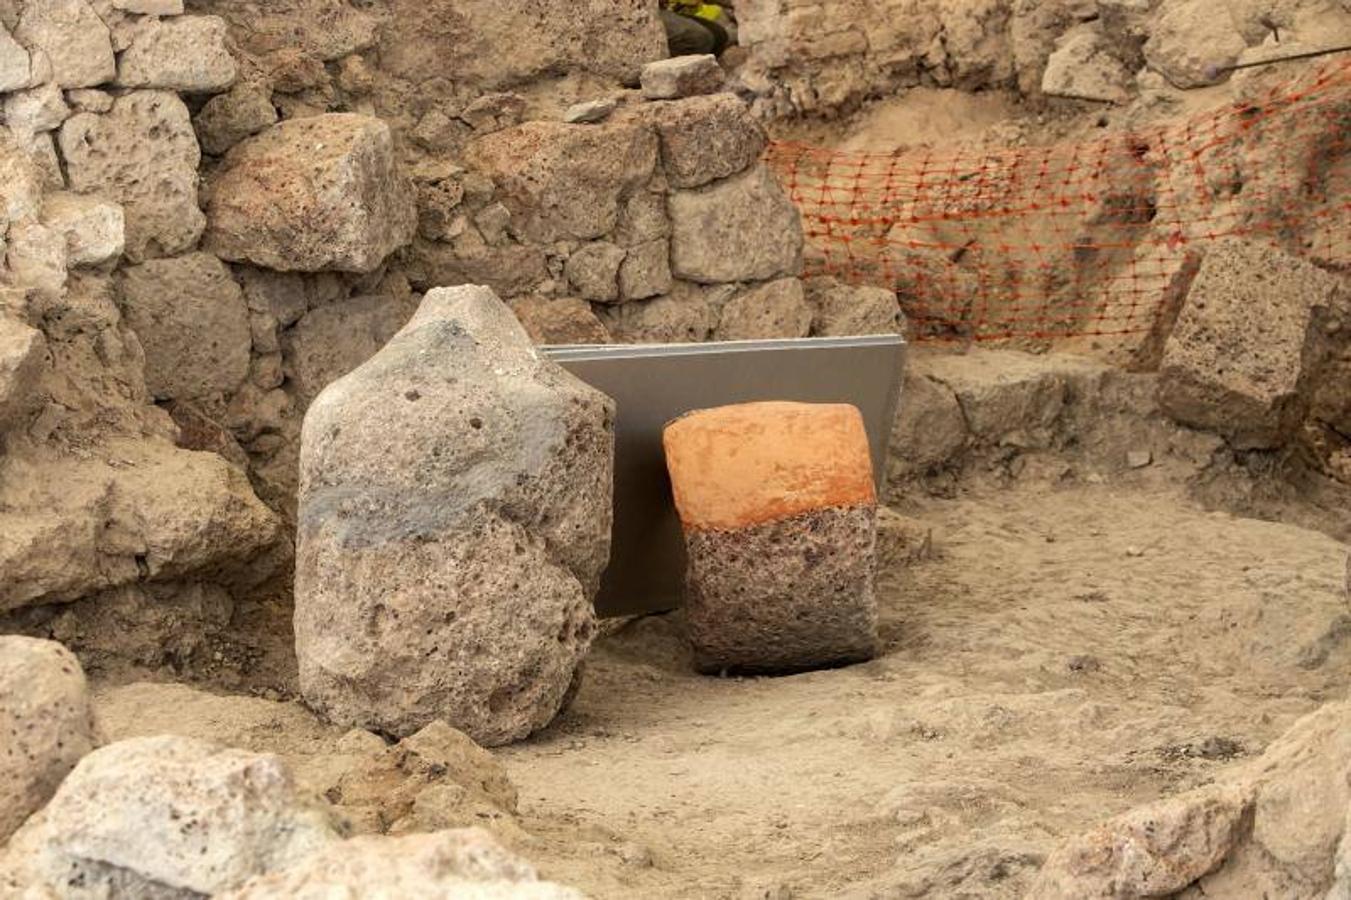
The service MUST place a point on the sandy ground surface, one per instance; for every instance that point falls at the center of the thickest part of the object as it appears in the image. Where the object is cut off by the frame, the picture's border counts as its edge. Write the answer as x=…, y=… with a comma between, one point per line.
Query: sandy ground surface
x=1064, y=655
x=1059, y=655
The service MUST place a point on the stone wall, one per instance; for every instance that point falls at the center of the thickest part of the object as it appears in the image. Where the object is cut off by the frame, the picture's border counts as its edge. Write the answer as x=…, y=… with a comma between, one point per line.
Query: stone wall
x=822, y=57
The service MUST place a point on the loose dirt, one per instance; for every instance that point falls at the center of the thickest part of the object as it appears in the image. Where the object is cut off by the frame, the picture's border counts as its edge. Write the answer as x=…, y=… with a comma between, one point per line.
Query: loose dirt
x=1065, y=655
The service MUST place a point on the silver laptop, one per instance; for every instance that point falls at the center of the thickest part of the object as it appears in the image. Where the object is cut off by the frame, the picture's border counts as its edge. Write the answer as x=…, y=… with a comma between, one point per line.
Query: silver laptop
x=654, y=383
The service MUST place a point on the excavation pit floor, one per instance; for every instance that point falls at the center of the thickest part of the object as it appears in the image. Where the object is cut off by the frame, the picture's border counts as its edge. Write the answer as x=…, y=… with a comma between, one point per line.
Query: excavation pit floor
x=1064, y=655
x=1061, y=654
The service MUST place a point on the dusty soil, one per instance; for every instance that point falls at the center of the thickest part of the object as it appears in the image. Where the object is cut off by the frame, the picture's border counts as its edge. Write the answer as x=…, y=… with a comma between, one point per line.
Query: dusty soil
x=1062, y=654
x=1067, y=654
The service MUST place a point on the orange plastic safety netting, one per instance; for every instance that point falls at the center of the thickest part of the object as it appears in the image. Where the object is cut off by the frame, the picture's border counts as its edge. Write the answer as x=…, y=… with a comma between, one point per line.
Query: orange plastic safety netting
x=1093, y=238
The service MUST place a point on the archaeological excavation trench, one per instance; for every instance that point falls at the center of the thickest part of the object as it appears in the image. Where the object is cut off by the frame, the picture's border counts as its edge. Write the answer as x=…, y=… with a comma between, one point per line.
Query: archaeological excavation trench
x=990, y=541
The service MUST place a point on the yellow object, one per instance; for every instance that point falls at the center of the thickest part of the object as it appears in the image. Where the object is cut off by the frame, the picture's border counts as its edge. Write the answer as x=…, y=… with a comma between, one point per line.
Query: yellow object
x=709, y=11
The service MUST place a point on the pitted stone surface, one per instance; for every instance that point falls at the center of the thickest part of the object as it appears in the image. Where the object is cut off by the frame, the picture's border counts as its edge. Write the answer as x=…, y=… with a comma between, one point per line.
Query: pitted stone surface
x=46, y=724
x=774, y=310
x=454, y=521
x=739, y=229
x=320, y=192
x=1235, y=359
x=72, y=37
x=779, y=511
x=179, y=54
x=566, y=182
x=192, y=320
x=167, y=817
x=110, y=154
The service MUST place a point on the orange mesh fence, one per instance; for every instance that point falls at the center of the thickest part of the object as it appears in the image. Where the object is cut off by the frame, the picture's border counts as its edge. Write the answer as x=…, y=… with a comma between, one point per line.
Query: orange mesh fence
x=1095, y=238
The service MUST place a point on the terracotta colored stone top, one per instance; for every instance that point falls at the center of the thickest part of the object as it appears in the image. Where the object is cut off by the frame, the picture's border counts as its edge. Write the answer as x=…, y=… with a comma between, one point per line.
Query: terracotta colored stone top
x=736, y=466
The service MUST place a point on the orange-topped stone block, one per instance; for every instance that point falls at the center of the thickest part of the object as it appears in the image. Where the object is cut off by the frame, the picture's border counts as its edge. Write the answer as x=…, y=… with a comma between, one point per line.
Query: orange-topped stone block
x=742, y=465
x=779, y=513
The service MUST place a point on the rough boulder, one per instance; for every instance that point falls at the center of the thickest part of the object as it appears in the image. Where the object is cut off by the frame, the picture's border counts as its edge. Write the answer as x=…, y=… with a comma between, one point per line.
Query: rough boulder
x=167, y=817
x=308, y=194
x=45, y=724
x=454, y=521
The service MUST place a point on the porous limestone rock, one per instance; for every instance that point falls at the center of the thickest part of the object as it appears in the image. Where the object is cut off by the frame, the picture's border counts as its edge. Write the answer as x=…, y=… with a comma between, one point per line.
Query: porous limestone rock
x=681, y=316
x=681, y=76
x=1154, y=851
x=705, y=139
x=1083, y=67
x=491, y=46
x=459, y=864
x=779, y=511
x=929, y=432
x=1272, y=827
x=45, y=722
x=20, y=183
x=36, y=257
x=15, y=65
x=167, y=817
x=178, y=54
x=565, y=182
x=23, y=354
x=559, y=320
x=72, y=37
x=1191, y=40
x=1235, y=358
x=1011, y=398
x=94, y=228
x=41, y=108
x=590, y=111
x=842, y=310
x=228, y=118
x=739, y=229
x=191, y=318
x=89, y=100
x=593, y=271
x=321, y=192
x=334, y=339
x=115, y=154
x=454, y=520
x=145, y=510
x=775, y=310
x=150, y=7
x=646, y=271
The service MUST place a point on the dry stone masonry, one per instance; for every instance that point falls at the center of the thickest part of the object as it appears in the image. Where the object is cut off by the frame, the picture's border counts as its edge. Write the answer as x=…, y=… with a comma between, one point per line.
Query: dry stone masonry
x=778, y=507
x=455, y=510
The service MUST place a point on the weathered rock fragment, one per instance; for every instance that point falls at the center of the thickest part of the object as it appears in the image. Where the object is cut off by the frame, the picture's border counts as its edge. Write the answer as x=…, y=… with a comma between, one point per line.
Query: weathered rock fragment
x=704, y=139
x=191, y=318
x=742, y=228
x=459, y=864
x=1234, y=361
x=681, y=76
x=778, y=506
x=45, y=724
x=308, y=194
x=774, y=310
x=23, y=353
x=454, y=521
x=841, y=310
x=111, y=154
x=167, y=817
x=72, y=36
x=1274, y=827
x=94, y=228
x=565, y=182
x=178, y=54
x=228, y=118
